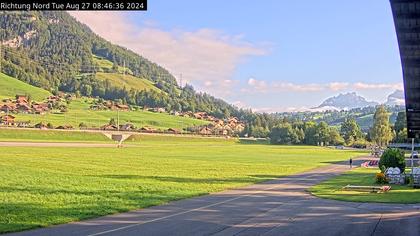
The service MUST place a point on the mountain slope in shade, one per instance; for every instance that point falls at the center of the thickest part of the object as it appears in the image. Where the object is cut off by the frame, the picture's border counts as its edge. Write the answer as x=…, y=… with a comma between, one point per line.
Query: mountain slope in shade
x=346, y=101
x=396, y=98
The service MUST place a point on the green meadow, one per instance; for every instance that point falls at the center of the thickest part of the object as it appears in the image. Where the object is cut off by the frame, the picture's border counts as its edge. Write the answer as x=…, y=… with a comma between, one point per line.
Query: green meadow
x=10, y=87
x=27, y=135
x=128, y=81
x=78, y=111
x=46, y=186
x=332, y=189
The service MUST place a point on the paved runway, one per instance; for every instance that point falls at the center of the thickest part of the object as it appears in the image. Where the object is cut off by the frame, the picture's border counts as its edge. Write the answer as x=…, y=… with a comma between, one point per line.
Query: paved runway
x=278, y=207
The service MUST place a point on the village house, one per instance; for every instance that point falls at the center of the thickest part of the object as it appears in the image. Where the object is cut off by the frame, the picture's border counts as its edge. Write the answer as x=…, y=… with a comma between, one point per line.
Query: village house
x=20, y=99
x=127, y=127
x=200, y=115
x=173, y=131
x=23, y=108
x=11, y=107
x=64, y=127
x=158, y=109
x=205, y=131
x=147, y=129
x=122, y=107
x=40, y=108
x=7, y=120
x=53, y=98
x=109, y=127
x=175, y=113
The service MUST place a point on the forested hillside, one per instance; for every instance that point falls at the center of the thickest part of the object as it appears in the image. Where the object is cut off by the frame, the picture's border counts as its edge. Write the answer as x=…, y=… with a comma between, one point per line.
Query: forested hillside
x=53, y=51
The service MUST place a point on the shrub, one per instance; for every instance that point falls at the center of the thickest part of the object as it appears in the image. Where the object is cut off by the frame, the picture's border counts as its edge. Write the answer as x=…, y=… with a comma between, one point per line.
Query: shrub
x=392, y=157
x=380, y=178
x=407, y=180
x=82, y=125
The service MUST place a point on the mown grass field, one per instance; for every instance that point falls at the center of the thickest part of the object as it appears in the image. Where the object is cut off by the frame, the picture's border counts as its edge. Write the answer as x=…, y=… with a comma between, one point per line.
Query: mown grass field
x=45, y=186
x=10, y=86
x=332, y=189
x=78, y=111
x=50, y=136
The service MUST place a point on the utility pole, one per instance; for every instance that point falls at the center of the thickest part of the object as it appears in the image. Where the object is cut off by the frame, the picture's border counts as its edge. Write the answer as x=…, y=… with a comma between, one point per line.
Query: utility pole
x=118, y=119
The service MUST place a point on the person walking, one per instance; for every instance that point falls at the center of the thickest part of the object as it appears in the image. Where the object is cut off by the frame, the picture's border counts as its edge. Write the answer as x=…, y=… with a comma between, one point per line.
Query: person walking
x=351, y=163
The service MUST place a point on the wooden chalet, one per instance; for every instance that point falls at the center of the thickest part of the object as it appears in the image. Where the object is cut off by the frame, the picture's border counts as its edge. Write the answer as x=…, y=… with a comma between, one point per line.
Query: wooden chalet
x=7, y=120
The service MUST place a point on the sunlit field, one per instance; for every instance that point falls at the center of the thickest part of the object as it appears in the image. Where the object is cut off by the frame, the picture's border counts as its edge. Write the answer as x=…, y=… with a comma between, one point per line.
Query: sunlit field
x=45, y=186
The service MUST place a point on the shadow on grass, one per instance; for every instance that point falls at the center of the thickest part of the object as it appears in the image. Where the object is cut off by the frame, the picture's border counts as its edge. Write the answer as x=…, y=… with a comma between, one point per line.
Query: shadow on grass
x=241, y=180
x=254, y=142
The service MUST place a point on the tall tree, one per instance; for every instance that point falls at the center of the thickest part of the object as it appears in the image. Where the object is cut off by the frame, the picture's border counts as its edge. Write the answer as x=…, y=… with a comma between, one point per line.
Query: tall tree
x=322, y=132
x=284, y=134
x=351, y=131
x=381, y=132
x=335, y=137
x=401, y=122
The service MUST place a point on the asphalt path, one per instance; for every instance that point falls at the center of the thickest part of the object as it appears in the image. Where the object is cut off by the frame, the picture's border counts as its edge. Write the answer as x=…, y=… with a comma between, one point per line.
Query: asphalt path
x=279, y=207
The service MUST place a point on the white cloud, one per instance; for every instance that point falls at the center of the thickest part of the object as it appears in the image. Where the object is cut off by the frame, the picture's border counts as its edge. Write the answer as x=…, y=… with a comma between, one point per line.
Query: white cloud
x=394, y=86
x=206, y=58
x=337, y=86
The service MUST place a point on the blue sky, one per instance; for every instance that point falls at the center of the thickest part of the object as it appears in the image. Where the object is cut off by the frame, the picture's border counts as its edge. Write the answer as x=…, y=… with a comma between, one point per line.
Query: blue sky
x=267, y=55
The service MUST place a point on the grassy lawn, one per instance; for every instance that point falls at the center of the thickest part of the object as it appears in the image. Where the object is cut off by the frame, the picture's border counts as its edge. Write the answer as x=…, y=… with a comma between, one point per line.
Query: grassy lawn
x=78, y=111
x=361, y=176
x=10, y=86
x=44, y=186
x=50, y=136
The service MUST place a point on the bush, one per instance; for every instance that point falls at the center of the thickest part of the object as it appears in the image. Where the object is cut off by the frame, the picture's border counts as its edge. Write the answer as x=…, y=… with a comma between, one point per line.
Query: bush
x=392, y=157
x=82, y=125
x=380, y=178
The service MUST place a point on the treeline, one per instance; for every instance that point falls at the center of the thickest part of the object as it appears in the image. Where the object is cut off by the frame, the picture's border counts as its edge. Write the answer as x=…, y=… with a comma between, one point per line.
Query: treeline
x=381, y=133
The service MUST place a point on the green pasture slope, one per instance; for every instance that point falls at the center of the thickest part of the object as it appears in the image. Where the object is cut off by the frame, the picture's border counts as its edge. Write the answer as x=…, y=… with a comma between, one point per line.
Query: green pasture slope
x=119, y=79
x=78, y=111
x=128, y=81
x=105, y=64
x=45, y=186
x=10, y=86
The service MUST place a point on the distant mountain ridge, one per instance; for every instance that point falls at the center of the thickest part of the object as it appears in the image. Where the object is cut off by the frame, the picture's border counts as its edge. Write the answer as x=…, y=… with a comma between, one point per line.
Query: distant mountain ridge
x=346, y=101
x=396, y=98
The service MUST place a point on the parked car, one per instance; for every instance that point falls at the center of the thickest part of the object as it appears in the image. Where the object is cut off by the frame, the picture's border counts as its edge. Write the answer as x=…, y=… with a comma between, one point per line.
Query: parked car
x=415, y=154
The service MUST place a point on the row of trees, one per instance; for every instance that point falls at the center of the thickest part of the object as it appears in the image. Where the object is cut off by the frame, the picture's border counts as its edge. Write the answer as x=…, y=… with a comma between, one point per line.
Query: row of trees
x=311, y=133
